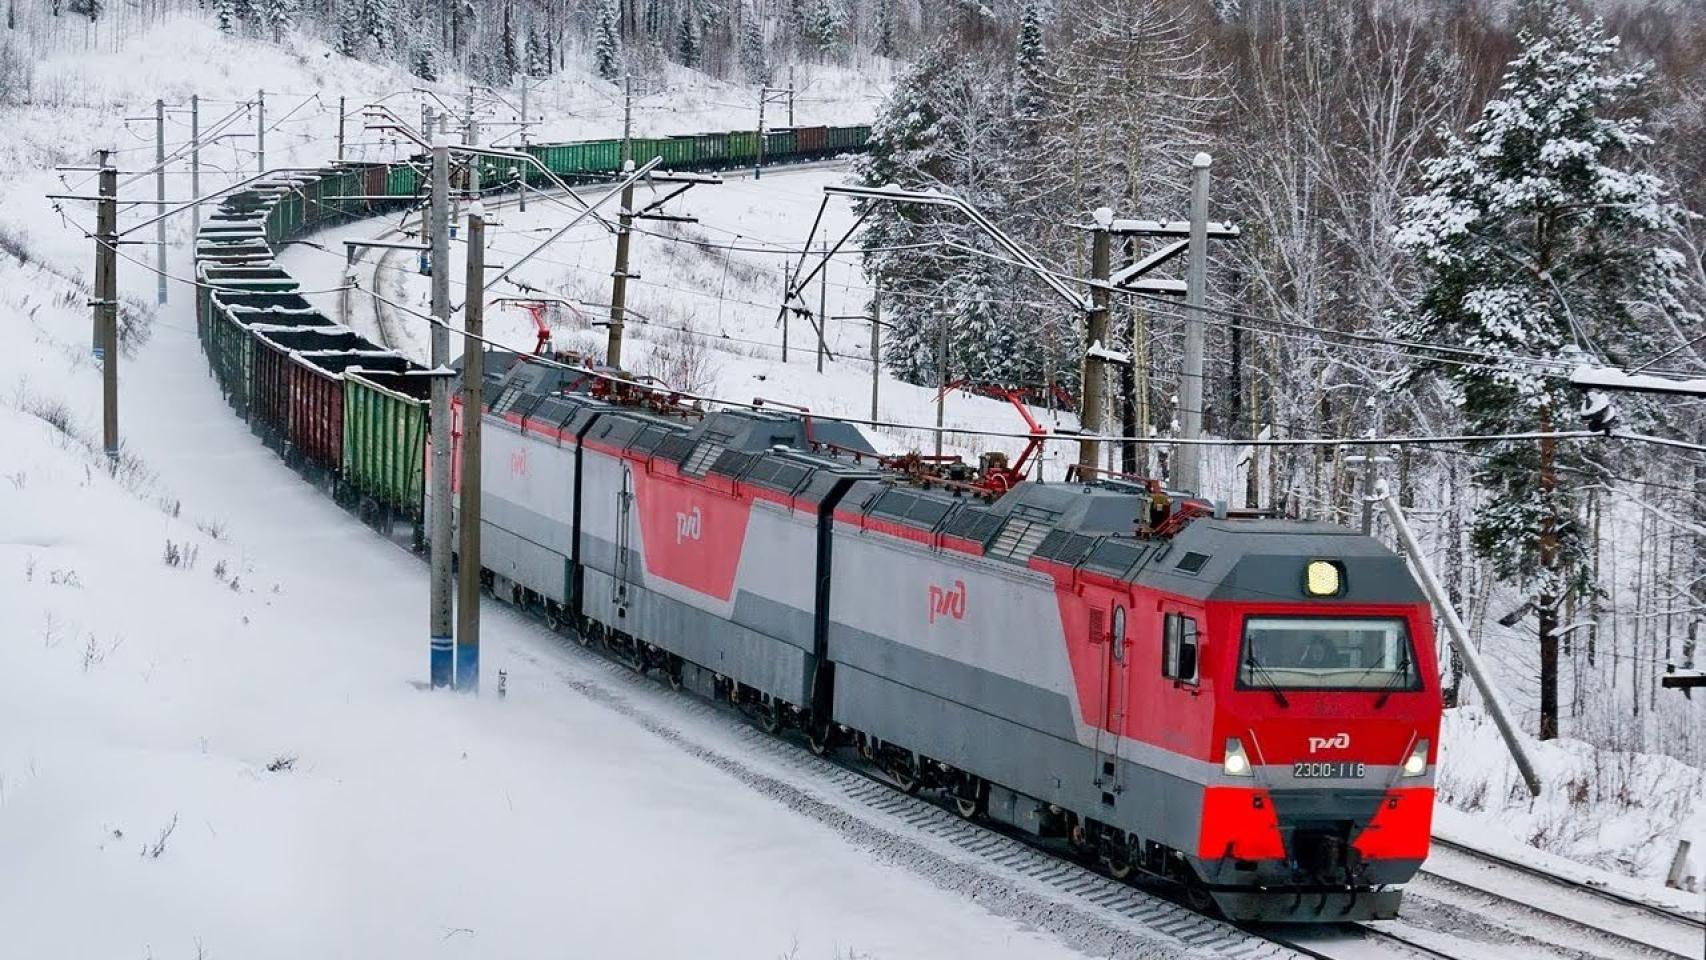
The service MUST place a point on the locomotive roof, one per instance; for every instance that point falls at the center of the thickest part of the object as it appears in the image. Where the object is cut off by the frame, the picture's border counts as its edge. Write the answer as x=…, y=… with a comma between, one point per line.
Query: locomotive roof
x=1265, y=560
x=1096, y=526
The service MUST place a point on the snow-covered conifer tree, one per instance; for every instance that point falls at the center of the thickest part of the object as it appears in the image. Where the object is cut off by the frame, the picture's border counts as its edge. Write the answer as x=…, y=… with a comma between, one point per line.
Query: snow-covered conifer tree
x=883, y=26
x=1539, y=237
x=689, y=45
x=423, y=62
x=349, y=37
x=378, y=22
x=1030, y=96
x=607, y=42
x=825, y=21
x=225, y=14
x=276, y=16
x=538, y=58
x=509, y=61
x=753, y=62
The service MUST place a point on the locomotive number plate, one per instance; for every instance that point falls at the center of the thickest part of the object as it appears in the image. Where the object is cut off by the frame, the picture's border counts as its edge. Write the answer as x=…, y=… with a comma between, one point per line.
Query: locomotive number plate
x=1329, y=771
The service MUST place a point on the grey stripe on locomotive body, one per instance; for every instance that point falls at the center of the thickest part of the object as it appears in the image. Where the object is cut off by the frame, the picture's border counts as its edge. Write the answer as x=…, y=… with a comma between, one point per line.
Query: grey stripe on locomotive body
x=991, y=691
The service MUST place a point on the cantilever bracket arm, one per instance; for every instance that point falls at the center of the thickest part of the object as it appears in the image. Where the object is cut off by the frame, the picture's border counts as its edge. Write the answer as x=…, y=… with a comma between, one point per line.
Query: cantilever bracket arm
x=590, y=211
x=894, y=194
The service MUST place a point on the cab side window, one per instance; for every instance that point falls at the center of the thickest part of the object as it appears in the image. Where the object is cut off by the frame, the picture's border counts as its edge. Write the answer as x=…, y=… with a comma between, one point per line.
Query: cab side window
x=1179, y=648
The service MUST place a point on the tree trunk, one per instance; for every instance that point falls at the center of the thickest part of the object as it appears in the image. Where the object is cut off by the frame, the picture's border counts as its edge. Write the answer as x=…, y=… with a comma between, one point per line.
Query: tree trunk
x=1547, y=601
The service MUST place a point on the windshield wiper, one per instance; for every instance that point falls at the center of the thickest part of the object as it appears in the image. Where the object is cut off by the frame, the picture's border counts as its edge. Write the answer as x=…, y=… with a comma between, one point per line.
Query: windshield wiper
x=1402, y=674
x=1258, y=670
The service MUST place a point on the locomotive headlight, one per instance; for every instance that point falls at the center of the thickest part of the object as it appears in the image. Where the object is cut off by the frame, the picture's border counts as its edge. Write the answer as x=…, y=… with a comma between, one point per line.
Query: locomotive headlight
x=1416, y=763
x=1237, y=763
x=1322, y=578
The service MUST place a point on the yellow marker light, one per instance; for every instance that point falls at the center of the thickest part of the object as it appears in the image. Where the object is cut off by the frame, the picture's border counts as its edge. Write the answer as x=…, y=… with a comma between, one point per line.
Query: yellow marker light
x=1416, y=763
x=1321, y=579
x=1236, y=763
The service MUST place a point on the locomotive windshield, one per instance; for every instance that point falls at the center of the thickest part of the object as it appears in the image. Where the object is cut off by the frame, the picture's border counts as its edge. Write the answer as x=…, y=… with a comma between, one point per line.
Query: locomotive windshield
x=1327, y=653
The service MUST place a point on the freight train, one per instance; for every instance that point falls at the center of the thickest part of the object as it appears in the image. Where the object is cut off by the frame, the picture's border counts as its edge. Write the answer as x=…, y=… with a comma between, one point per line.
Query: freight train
x=1247, y=707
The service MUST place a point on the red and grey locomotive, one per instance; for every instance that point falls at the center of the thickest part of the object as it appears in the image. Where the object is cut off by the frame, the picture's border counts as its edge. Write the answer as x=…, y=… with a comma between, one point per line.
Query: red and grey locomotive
x=1246, y=706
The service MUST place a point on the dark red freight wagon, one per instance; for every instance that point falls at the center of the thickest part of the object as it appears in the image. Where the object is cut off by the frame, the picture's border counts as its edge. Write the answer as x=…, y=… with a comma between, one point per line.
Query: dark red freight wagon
x=316, y=429
x=269, y=409
x=811, y=141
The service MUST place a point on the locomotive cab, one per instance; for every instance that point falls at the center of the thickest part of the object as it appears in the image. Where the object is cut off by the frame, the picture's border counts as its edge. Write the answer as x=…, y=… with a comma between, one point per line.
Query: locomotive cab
x=1315, y=651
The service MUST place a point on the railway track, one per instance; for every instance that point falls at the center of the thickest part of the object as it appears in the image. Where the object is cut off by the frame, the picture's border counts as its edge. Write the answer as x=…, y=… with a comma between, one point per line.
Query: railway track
x=1574, y=913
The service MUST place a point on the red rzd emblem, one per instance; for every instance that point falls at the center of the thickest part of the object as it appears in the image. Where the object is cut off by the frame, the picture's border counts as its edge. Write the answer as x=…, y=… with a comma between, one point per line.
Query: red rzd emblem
x=945, y=602
x=518, y=463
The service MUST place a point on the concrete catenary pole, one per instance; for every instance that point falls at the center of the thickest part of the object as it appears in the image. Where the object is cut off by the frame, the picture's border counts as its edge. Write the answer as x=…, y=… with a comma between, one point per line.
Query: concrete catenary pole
x=341, y=128
x=1188, y=476
x=624, y=234
x=106, y=300
x=521, y=184
x=473, y=371
x=1459, y=636
x=1096, y=332
x=790, y=96
x=758, y=162
x=471, y=137
x=823, y=308
x=442, y=664
x=876, y=347
x=195, y=163
x=160, y=196
x=941, y=375
x=260, y=131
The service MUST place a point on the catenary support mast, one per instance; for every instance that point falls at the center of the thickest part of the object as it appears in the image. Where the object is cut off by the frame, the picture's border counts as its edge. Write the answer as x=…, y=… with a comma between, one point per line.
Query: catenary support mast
x=473, y=371
x=438, y=216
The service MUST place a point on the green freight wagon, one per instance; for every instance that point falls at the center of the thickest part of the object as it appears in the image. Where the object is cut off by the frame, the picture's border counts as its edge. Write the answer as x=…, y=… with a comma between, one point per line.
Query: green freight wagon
x=402, y=180
x=385, y=425
x=740, y=148
x=214, y=277
x=230, y=351
x=781, y=146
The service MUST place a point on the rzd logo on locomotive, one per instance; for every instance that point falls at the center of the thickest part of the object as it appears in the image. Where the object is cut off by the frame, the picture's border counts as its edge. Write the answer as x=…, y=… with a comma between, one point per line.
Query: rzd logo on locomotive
x=518, y=462
x=687, y=525
x=1338, y=741
x=945, y=602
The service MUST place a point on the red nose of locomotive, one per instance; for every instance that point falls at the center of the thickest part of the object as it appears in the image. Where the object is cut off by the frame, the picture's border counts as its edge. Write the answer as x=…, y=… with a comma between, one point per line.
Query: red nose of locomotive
x=1327, y=729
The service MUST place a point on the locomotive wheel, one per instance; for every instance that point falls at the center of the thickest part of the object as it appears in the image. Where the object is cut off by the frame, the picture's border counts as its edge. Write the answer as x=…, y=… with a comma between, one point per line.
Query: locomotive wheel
x=973, y=806
x=770, y=717
x=903, y=774
x=1116, y=866
x=1198, y=898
